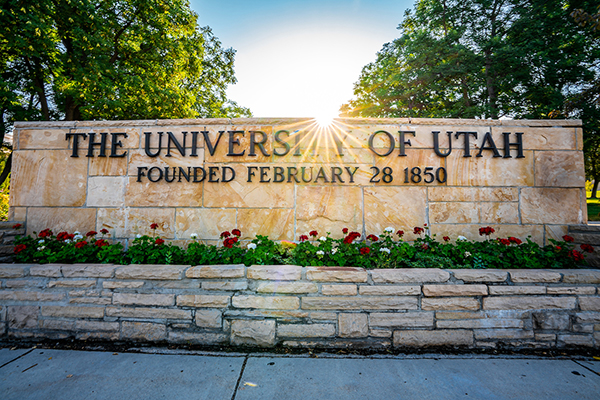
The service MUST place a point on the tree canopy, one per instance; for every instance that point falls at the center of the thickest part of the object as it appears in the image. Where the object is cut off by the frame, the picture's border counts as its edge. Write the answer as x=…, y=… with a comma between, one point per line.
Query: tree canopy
x=110, y=59
x=481, y=59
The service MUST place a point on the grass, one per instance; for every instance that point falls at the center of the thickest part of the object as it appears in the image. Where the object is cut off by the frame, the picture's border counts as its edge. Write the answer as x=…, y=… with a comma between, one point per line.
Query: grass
x=593, y=208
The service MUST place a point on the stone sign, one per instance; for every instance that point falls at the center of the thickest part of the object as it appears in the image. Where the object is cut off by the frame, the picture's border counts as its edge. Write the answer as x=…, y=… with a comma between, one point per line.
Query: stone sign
x=285, y=177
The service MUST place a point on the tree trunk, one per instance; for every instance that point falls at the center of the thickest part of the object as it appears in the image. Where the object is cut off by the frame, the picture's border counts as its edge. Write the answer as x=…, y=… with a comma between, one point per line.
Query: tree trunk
x=6, y=170
x=491, y=89
x=594, y=194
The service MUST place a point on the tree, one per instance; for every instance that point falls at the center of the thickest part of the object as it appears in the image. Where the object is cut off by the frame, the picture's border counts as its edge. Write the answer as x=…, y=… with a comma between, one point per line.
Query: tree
x=479, y=58
x=109, y=59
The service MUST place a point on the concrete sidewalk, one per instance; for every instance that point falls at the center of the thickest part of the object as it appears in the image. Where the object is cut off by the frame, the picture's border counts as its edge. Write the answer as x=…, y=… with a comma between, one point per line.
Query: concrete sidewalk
x=69, y=374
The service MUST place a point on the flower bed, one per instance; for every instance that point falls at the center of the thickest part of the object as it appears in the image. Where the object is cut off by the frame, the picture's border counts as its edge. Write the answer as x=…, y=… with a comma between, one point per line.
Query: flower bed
x=385, y=251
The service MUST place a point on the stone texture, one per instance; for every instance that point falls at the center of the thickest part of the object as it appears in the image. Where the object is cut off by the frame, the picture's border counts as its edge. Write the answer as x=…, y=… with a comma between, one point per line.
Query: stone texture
x=150, y=272
x=503, y=334
x=253, y=333
x=106, y=191
x=559, y=169
x=572, y=290
x=550, y=321
x=275, y=272
x=389, y=290
x=144, y=312
x=31, y=139
x=407, y=275
x=149, y=332
x=277, y=224
x=487, y=323
x=336, y=274
x=201, y=338
x=122, y=285
x=106, y=166
x=22, y=317
x=528, y=303
x=203, y=301
x=9, y=271
x=306, y=330
x=515, y=290
x=455, y=290
x=88, y=271
x=451, y=303
x=46, y=270
x=470, y=275
x=209, y=318
x=534, y=276
x=206, y=223
x=418, y=319
x=576, y=340
x=589, y=303
x=396, y=207
x=320, y=209
x=216, y=271
x=40, y=172
x=143, y=299
x=60, y=219
x=473, y=194
x=352, y=325
x=498, y=213
x=225, y=286
x=128, y=222
x=164, y=194
x=267, y=302
x=417, y=338
x=483, y=171
x=454, y=213
x=18, y=295
x=72, y=283
x=550, y=206
x=287, y=287
x=584, y=276
x=96, y=326
x=72, y=312
x=338, y=290
x=359, y=303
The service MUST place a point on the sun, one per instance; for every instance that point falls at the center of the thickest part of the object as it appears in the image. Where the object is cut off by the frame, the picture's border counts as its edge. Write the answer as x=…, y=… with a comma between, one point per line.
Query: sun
x=325, y=120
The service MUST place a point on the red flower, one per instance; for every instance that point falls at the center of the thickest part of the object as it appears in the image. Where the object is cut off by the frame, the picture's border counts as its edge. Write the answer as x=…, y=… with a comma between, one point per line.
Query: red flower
x=100, y=242
x=236, y=232
x=45, y=233
x=515, y=240
x=103, y=231
x=229, y=242
x=558, y=248
x=153, y=226
x=373, y=238
x=81, y=244
x=587, y=247
x=17, y=226
x=425, y=246
x=575, y=255
x=159, y=241
x=365, y=250
x=446, y=238
x=418, y=230
x=303, y=238
x=487, y=231
x=568, y=238
x=505, y=242
x=19, y=248
x=345, y=231
x=225, y=234
x=351, y=237
x=424, y=224
x=62, y=236
x=400, y=233
x=91, y=233
x=313, y=233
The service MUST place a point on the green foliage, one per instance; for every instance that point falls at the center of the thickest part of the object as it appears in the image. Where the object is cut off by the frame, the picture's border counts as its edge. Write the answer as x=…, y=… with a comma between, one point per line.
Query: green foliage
x=373, y=252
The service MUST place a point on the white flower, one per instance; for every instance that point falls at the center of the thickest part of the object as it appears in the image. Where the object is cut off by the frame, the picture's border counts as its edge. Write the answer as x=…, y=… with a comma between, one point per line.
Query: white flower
x=41, y=241
x=68, y=241
x=138, y=236
x=320, y=253
x=467, y=254
x=251, y=246
x=333, y=251
x=194, y=236
x=389, y=229
x=77, y=236
x=461, y=238
x=384, y=250
x=323, y=239
x=77, y=233
x=41, y=248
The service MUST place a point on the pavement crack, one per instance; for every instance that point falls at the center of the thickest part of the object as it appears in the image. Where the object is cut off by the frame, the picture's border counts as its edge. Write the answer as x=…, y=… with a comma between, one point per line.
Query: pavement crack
x=589, y=369
x=237, y=385
x=15, y=359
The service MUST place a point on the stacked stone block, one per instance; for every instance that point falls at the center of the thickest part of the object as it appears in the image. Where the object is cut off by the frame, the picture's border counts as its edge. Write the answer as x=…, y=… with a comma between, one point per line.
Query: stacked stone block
x=329, y=307
x=7, y=239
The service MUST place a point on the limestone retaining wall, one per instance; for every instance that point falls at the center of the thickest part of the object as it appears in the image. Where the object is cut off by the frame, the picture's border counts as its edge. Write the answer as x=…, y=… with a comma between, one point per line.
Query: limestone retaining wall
x=330, y=307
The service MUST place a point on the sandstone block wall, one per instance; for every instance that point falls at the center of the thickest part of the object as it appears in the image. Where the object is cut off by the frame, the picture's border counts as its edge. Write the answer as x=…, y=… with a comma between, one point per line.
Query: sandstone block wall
x=538, y=194
x=328, y=307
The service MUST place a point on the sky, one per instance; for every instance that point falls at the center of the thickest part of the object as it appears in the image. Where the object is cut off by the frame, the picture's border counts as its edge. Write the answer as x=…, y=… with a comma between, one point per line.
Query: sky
x=300, y=58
